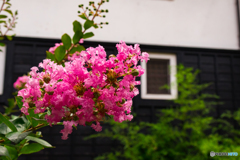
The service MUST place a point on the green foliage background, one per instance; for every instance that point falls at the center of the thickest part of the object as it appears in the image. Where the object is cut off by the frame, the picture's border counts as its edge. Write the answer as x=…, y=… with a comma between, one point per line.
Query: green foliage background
x=186, y=131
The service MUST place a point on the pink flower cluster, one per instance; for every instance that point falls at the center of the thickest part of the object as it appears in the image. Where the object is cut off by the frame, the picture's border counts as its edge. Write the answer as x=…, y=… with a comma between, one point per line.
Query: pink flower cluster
x=20, y=82
x=87, y=89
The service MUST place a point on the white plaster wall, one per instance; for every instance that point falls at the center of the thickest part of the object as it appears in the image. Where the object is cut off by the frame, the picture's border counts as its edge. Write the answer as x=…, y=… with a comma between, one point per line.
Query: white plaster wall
x=191, y=23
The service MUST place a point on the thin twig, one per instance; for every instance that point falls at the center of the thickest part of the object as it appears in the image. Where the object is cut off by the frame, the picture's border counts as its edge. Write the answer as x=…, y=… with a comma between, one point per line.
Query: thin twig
x=35, y=128
x=2, y=6
x=10, y=26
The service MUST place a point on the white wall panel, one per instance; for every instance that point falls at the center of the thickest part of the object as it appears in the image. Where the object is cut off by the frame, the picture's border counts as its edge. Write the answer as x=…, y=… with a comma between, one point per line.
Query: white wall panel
x=191, y=23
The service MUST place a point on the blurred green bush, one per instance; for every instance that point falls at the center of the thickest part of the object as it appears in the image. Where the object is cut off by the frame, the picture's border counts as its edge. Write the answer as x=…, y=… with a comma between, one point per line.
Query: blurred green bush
x=186, y=131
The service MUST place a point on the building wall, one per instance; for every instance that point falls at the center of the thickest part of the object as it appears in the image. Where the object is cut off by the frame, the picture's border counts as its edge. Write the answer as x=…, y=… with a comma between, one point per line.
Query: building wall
x=190, y=23
x=219, y=67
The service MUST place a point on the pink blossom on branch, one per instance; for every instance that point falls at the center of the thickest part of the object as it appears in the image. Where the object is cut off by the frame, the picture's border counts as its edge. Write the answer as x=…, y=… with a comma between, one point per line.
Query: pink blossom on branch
x=20, y=82
x=87, y=89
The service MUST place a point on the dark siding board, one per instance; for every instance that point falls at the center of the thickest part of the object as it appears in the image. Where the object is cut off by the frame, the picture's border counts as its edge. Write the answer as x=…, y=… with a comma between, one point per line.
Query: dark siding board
x=193, y=58
x=83, y=150
x=221, y=68
x=236, y=60
x=207, y=77
x=24, y=49
x=224, y=77
x=224, y=60
x=207, y=68
x=236, y=69
x=83, y=158
x=224, y=68
x=207, y=59
x=22, y=68
x=23, y=59
x=79, y=140
x=224, y=86
x=40, y=49
x=193, y=65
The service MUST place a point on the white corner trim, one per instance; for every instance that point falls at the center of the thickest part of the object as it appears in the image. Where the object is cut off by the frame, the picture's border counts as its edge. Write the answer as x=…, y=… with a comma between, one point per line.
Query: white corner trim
x=173, y=71
x=2, y=68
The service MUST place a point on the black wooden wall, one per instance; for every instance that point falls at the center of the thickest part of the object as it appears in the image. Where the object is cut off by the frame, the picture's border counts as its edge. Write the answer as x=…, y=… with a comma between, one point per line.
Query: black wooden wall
x=220, y=67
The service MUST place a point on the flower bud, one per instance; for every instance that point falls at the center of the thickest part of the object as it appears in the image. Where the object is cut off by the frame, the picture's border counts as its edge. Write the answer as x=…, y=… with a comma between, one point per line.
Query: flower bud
x=31, y=104
x=132, y=87
x=111, y=76
x=67, y=114
x=75, y=118
x=50, y=93
x=74, y=110
x=96, y=94
x=88, y=123
x=80, y=89
x=123, y=101
x=41, y=82
x=135, y=72
x=95, y=112
x=46, y=78
x=112, y=55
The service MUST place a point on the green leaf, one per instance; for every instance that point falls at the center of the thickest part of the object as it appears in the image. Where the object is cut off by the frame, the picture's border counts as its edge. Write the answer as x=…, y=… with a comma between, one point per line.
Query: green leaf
x=66, y=41
x=21, y=123
x=9, y=11
x=88, y=35
x=32, y=116
x=9, y=38
x=8, y=123
x=4, y=152
x=12, y=152
x=95, y=26
x=79, y=48
x=13, y=117
x=40, y=141
x=77, y=26
x=1, y=38
x=3, y=16
x=42, y=115
x=2, y=44
x=60, y=53
x=88, y=24
x=31, y=148
x=50, y=56
x=16, y=12
x=83, y=16
x=17, y=137
x=11, y=102
x=40, y=120
x=77, y=36
x=4, y=129
x=19, y=102
x=8, y=3
x=2, y=21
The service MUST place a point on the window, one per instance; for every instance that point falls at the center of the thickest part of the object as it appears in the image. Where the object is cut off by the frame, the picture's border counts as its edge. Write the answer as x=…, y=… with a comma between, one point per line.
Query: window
x=2, y=68
x=160, y=70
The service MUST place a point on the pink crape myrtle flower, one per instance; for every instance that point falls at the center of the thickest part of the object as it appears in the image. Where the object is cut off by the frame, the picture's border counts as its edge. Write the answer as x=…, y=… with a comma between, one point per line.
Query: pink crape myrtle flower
x=20, y=82
x=88, y=87
x=81, y=40
x=52, y=49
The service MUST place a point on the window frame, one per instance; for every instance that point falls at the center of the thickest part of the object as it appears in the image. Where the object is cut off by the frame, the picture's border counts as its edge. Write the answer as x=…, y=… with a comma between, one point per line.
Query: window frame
x=173, y=70
x=2, y=68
